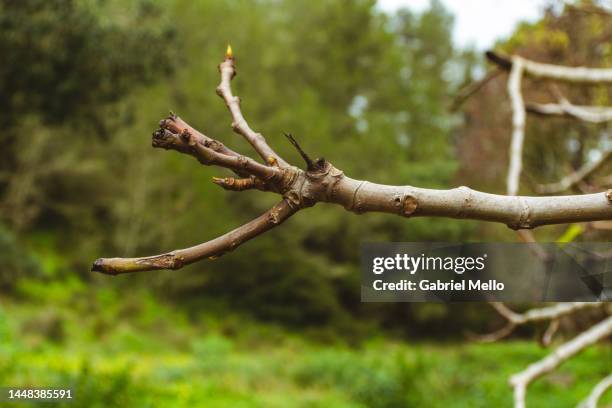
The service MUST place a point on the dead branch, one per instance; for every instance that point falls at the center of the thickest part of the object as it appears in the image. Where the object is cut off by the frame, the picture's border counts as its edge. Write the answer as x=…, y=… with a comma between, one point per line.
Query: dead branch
x=466, y=92
x=210, y=249
x=322, y=182
x=513, y=319
x=518, y=126
x=239, y=124
x=576, y=177
x=553, y=72
x=596, y=394
x=521, y=381
x=546, y=313
x=592, y=114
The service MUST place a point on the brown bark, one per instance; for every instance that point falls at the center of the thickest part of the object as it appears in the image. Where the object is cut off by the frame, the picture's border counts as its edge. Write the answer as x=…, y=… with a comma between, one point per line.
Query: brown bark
x=322, y=182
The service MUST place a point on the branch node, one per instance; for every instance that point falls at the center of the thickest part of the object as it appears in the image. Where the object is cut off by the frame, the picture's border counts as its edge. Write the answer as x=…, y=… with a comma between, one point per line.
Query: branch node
x=409, y=205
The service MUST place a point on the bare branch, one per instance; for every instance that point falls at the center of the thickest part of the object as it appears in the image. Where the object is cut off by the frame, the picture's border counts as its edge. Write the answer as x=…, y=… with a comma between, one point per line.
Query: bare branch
x=598, y=391
x=550, y=332
x=466, y=92
x=521, y=381
x=239, y=123
x=241, y=184
x=554, y=72
x=513, y=319
x=322, y=182
x=576, y=177
x=177, y=125
x=188, y=143
x=495, y=336
x=210, y=249
x=518, y=126
x=518, y=212
x=546, y=313
x=592, y=114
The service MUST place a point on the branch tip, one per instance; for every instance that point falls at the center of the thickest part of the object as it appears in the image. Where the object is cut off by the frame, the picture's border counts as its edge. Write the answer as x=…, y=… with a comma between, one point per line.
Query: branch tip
x=228, y=52
x=98, y=266
x=501, y=60
x=310, y=165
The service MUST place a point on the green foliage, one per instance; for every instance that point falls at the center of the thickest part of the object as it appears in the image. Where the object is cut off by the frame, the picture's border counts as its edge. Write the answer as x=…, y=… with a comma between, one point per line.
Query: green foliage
x=61, y=61
x=15, y=260
x=250, y=369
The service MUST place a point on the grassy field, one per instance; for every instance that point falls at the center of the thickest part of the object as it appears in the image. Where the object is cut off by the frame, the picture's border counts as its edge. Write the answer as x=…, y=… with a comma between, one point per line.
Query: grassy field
x=123, y=353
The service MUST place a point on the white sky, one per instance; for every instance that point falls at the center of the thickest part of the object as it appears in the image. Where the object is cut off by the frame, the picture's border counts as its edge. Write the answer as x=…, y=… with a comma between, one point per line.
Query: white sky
x=478, y=22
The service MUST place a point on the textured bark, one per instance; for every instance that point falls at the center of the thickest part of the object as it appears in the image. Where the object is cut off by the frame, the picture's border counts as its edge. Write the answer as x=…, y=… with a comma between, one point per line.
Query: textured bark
x=599, y=390
x=515, y=211
x=239, y=124
x=210, y=249
x=322, y=182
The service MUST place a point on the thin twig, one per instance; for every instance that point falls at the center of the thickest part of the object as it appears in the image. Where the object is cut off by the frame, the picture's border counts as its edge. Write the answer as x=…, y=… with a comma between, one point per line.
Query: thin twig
x=576, y=177
x=554, y=72
x=521, y=381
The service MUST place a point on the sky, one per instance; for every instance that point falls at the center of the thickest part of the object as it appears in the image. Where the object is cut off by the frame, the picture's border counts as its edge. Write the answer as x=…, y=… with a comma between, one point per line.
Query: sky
x=479, y=22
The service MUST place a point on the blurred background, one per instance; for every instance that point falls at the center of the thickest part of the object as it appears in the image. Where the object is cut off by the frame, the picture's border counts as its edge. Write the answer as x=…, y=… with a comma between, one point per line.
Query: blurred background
x=279, y=322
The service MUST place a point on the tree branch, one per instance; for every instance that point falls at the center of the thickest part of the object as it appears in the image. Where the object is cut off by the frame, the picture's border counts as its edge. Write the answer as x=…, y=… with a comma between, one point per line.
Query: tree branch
x=515, y=211
x=596, y=394
x=592, y=114
x=210, y=249
x=555, y=72
x=576, y=177
x=186, y=142
x=322, y=182
x=521, y=381
x=239, y=124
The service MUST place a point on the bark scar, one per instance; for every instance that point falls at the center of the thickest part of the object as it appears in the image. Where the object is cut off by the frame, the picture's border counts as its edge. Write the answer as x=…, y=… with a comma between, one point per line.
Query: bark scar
x=409, y=205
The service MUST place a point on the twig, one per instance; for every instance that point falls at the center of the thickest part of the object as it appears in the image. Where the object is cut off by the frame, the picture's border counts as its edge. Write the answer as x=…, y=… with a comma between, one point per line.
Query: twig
x=592, y=114
x=550, y=332
x=555, y=72
x=521, y=381
x=466, y=92
x=240, y=125
x=576, y=177
x=513, y=319
x=322, y=182
x=210, y=249
x=598, y=391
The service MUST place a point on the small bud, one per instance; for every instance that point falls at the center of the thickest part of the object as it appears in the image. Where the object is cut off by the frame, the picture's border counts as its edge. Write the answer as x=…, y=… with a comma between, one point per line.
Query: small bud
x=228, y=53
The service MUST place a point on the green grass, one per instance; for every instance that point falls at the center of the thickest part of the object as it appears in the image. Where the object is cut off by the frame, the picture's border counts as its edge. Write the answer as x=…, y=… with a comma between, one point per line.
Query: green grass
x=134, y=352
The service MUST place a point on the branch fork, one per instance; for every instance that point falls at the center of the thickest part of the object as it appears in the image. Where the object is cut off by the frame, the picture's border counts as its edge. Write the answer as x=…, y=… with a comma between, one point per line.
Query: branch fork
x=322, y=182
